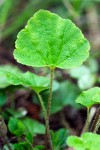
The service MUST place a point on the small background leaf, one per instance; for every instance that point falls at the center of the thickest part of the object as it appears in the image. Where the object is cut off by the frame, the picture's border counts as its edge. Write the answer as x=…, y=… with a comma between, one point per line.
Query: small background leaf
x=64, y=95
x=21, y=146
x=59, y=138
x=33, y=126
x=3, y=70
x=16, y=127
x=3, y=97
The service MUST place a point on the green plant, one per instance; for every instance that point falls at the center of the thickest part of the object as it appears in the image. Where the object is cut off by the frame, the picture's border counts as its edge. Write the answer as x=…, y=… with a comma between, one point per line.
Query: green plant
x=47, y=41
x=89, y=98
x=23, y=129
x=59, y=139
x=4, y=83
x=87, y=141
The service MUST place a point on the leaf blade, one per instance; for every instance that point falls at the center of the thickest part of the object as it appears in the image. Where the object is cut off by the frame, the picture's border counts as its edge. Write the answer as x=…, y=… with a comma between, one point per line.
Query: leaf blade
x=49, y=40
x=28, y=79
x=87, y=140
x=88, y=97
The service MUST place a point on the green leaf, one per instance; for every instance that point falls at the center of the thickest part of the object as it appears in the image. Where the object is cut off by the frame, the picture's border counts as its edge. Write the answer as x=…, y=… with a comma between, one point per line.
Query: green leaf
x=18, y=113
x=3, y=70
x=33, y=126
x=89, y=97
x=59, y=138
x=16, y=127
x=96, y=98
x=49, y=40
x=76, y=142
x=28, y=79
x=21, y=146
x=29, y=137
x=3, y=81
x=87, y=141
x=3, y=97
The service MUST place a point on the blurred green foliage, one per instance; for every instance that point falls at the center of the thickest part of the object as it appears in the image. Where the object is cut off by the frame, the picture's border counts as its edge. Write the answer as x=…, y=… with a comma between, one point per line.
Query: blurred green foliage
x=64, y=95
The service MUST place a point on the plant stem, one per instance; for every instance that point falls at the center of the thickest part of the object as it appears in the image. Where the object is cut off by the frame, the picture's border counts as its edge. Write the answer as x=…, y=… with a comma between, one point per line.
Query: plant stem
x=97, y=125
x=49, y=104
x=86, y=128
x=48, y=136
x=50, y=91
x=95, y=120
